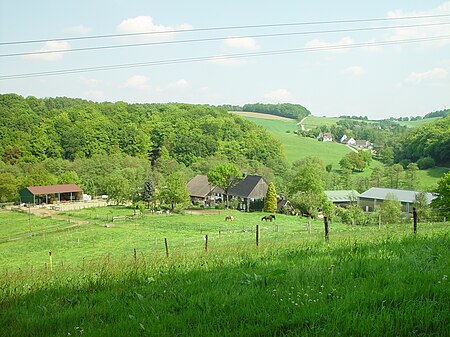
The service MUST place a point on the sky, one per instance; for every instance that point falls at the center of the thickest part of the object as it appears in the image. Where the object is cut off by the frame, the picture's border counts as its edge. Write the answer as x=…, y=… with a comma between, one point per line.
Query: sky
x=340, y=60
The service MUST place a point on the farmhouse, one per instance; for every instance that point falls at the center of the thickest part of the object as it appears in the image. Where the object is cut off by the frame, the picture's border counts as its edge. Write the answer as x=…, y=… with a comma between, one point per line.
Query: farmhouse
x=343, y=198
x=362, y=144
x=325, y=137
x=50, y=194
x=374, y=197
x=250, y=193
x=202, y=192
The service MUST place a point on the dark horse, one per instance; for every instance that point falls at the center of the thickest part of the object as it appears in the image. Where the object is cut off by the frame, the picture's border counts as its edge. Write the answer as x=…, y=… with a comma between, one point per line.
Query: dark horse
x=268, y=217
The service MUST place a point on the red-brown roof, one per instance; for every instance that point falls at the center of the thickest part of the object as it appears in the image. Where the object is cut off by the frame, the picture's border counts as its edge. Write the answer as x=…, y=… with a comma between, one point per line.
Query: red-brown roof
x=53, y=189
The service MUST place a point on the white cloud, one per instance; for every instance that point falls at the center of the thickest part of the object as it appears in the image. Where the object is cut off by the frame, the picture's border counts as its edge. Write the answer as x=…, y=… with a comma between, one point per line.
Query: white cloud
x=355, y=70
x=246, y=43
x=422, y=32
x=181, y=84
x=145, y=24
x=139, y=82
x=94, y=94
x=80, y=29
x=90, y=82
x=227, y=61
x=337, y=46
x=57, y=46
x=278, y=95
x=430, y=75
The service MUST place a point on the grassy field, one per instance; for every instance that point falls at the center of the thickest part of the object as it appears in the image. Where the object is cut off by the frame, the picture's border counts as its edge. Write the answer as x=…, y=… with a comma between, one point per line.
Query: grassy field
x=364, y=282
x=311, y=122
x=297, y=148
x=413, y=124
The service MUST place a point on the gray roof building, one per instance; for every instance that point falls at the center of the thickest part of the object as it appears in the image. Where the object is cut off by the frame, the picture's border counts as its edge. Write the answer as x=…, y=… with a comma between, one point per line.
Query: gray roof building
x=374, y=196
x=342, y=197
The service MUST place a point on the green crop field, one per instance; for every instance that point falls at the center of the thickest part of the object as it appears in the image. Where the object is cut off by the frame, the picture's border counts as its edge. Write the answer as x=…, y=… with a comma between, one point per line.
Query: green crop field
x=366, y=281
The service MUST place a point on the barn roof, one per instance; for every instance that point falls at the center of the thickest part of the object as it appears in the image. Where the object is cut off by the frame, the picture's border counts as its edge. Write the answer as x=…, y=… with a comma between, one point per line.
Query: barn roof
x=342, y=196
x=200, y=187
x=402, y=195
x=53, y=189
x=250, y=187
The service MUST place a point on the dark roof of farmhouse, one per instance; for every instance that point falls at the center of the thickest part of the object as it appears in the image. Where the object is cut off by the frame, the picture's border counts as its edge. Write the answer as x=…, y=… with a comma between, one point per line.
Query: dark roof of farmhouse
x=250, y=187
x=401, y=195
x=54, y=189
x=199, y=186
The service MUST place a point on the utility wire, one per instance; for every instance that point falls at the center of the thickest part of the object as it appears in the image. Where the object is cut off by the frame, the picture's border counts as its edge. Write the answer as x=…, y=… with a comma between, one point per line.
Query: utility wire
x=224, y=38
x=226, y=28
x=219, y=57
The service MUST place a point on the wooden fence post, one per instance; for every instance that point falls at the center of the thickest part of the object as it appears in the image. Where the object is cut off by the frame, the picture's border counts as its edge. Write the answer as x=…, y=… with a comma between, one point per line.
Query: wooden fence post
x=257, y=235
x=206, y=243
x=134, y=254
x=415, y=220
x=50, y=259
x=327, y=230
x=167, y=248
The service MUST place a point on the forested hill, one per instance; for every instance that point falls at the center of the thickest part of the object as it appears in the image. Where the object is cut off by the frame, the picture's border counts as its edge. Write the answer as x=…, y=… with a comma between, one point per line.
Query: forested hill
x=287, y=110
x=32, y=130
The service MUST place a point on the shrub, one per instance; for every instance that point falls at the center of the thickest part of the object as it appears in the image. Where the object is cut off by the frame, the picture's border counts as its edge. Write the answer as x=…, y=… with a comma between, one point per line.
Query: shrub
x=425, y=163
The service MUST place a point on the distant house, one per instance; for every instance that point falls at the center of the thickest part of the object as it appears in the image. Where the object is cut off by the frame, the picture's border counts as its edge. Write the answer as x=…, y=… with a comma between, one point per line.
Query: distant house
x=284, y=206
x=50, y=194
x=363, y=144
x=351, y=141
x=343, y=139
x=327, y=137
x=343, y=198
x=202, y=191
x=250, y=193
x=371, y=199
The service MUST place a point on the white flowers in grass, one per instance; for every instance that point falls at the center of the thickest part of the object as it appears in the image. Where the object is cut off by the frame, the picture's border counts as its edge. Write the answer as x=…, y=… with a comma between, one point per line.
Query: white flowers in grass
x=306, y=295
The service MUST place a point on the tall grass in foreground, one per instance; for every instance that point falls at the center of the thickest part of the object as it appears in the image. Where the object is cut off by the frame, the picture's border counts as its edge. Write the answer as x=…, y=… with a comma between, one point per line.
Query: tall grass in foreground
x=386, y=286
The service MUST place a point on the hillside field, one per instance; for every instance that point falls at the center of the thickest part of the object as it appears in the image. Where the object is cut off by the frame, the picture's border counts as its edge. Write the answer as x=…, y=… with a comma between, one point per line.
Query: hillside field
x=297, y=148
x=366, y=281
x=413, y=124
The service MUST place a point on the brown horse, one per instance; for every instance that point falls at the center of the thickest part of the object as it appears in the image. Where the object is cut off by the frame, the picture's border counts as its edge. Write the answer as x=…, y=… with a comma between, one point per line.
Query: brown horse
x=229, y=218
x=268, y=217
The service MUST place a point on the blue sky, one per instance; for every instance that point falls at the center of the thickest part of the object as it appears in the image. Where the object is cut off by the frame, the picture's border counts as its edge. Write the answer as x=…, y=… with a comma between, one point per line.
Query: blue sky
x=399, y=79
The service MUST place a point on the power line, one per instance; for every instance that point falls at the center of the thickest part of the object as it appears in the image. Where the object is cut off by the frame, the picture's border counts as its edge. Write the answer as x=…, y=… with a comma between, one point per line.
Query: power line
x=219, y=57
x=226, y=28
x=224, y=38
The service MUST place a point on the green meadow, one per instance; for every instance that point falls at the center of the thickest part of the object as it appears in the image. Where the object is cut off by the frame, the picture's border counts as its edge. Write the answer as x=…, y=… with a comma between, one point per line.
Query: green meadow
x=118, y=281
x=413, y=124
x=297, y=148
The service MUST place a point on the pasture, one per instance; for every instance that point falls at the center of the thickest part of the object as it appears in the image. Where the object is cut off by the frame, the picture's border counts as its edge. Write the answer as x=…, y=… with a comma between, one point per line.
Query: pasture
x=297, y=148
x=117, y=280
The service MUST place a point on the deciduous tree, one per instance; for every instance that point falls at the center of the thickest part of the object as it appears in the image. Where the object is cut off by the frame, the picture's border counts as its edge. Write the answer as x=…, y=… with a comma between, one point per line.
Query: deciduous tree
x=224, y=176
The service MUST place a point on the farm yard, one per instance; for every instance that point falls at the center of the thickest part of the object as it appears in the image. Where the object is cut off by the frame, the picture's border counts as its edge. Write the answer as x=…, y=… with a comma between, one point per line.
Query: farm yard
x=112, y=275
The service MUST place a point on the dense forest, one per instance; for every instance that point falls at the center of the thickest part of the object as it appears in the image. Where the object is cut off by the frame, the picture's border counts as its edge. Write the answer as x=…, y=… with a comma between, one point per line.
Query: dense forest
x=431, y=140
x=287, y=110
x=62, y=140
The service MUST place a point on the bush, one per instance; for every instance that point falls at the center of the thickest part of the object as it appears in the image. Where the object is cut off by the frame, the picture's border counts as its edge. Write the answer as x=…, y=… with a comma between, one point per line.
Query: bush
x=405, y=163
x=425, y=163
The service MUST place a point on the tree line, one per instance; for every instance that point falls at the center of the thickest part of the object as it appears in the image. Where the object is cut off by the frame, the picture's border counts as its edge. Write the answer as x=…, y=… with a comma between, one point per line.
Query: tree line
x=287, y=110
